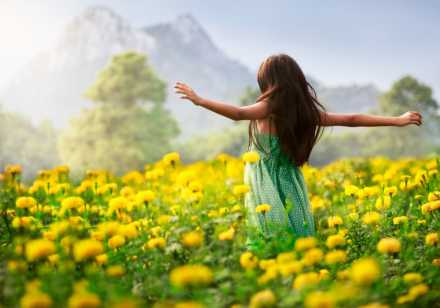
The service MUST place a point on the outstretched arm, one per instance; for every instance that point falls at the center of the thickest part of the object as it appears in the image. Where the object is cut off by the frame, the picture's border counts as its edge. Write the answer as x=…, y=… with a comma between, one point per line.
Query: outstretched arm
x=258, y=110
x=357, y=119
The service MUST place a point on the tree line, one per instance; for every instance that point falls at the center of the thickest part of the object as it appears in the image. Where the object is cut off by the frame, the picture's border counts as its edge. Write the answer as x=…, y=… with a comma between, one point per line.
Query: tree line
x=129, y=126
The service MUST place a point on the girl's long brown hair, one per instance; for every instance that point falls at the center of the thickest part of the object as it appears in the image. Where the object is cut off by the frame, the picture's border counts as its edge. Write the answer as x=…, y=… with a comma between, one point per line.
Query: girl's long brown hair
x=293, y=107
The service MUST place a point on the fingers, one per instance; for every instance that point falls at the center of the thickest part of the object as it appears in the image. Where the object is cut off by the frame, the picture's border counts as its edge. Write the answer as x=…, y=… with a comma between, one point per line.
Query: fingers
x=415, y=118
x=180, y=85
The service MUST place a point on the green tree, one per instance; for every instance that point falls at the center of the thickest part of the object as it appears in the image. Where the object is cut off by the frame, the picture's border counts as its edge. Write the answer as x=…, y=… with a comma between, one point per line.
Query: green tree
x=129, y=125
x=128, y=80
x=249, y=96
x=31, y=146
x=407, y=94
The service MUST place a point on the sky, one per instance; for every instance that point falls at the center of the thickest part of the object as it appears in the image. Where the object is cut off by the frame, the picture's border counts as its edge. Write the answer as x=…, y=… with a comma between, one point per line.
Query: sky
x=337, y=42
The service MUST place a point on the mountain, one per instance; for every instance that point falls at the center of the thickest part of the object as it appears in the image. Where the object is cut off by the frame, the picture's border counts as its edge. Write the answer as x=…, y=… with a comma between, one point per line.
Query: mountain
x=51, y=85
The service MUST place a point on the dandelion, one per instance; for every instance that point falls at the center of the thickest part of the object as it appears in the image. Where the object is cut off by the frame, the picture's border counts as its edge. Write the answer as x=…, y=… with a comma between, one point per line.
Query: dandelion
x=319, y=299
x=36, y=299
x=312, y=256
x=25, y=202
x=191, y=275
x=263, y=299
x=365, y=271
x=334, y=221
x=248, y=260
x=400, y=219
x=116, y=241
x=156, y=242
x=305, y=280
x=412, y=278
x=335, y=240
x=388, y=245
x=371, y=218
x=251, y=157
x=84, y=299
x=431, y=238
x=85, y=249
x=115, y=271
x=192, y=239
x=39, y=249
x=239, y=190
x=227, y=235
x=171, y=158
x=263, y=208
x=336, y=256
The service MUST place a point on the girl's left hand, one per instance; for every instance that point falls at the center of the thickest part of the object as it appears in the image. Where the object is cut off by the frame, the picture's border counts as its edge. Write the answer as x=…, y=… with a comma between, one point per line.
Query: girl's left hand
x=187, y=93
x=410, y=117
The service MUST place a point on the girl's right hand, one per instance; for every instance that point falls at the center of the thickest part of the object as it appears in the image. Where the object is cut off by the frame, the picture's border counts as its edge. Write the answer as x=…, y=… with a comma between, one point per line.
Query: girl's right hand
x=187, y=93
x=410, y=117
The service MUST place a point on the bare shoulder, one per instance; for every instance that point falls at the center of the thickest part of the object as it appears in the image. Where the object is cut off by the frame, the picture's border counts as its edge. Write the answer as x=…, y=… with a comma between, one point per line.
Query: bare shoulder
x=256, y=111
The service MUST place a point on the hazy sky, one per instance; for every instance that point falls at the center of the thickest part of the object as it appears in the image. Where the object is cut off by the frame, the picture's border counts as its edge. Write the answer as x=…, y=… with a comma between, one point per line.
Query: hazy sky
x=337, y=42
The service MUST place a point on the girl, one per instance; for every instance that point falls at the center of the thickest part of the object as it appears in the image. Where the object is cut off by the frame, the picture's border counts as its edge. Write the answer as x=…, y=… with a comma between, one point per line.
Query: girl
x=285, y=123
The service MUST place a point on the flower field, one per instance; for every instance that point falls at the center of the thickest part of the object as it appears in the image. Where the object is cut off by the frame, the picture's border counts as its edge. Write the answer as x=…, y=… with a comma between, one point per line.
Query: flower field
x=174, y=235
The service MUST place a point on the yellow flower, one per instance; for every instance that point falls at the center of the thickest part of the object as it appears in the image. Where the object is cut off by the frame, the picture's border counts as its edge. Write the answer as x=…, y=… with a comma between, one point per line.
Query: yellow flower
x=430, y=206
x=191, y=275
x=263, y=208
x=433, y=196
x=365, y=271
x=263, y=299
x=334, y=221
x=400, y=219
x=240, y=189
x=351, y=190
x=312, y=256
x=251, y=157
x=84, y=299
x=412, y=278
x=335, y=240
x=390, y=191
x=36, y=299
x=38, y=249
x=118, y=203
x=290, y=268
x=285, y=257
x=374, y=305
x=388, y=245
x=54, y=259
x=418, y=290
x=383, y=202
x=72, y=202
x=270, y=274
x=336, y=256
x=116, y=241
x=189, y=304
x=431, y=238
x=115, y=271
x=25, y=202
x=319, y=299
x=248, y=260
x=145, y=196
x=371, y=217
x=192, y=239
x=171, y=158
x=87, y=248
x=156, y=242
x=227, y=235
x=305, y=243
x=101, y=259
x=305, y=280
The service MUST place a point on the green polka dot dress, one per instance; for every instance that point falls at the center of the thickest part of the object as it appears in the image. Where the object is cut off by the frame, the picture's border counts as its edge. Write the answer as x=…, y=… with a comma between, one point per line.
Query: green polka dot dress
x=276, y=181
